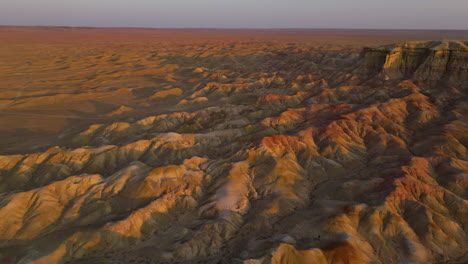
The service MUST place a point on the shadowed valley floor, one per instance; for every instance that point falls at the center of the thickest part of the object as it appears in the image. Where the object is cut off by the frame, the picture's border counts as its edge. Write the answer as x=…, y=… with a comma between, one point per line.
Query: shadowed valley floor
x=233, y=146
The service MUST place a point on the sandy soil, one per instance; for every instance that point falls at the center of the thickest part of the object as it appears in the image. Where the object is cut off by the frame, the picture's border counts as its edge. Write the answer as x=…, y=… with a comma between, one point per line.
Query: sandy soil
x=233, y=146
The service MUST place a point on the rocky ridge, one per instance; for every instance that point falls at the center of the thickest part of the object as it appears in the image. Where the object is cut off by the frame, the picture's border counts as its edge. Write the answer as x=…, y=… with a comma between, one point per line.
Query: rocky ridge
x=344, y=158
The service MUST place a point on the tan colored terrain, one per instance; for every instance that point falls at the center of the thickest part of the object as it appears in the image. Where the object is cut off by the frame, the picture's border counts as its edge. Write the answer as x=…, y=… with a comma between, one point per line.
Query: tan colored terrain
x=233, y=146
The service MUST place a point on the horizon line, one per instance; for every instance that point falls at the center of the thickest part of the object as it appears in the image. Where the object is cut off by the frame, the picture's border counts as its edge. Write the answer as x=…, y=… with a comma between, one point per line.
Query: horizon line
x=233, y=28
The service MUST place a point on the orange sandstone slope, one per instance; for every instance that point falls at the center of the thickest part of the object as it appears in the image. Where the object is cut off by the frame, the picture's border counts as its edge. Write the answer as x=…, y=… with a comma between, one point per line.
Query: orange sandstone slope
x=313, y=158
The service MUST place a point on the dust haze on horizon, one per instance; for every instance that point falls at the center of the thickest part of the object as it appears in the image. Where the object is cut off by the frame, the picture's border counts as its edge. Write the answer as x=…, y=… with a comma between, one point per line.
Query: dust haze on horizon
x=361, y=14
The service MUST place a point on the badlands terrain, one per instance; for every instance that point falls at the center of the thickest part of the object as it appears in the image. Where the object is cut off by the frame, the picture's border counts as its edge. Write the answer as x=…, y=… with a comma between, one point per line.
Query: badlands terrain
x=233, y=146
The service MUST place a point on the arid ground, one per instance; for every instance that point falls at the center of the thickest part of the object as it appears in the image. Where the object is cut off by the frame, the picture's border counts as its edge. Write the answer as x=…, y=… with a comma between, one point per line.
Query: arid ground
x=134, y=145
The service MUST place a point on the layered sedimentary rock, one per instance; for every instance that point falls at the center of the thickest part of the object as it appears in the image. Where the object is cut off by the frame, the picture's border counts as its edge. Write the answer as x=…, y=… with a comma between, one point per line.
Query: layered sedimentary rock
x=431, y=62
x=316, y=158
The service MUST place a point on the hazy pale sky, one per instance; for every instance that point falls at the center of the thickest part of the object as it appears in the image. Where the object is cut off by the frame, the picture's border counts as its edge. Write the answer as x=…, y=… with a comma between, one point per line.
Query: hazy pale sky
x=405, y=14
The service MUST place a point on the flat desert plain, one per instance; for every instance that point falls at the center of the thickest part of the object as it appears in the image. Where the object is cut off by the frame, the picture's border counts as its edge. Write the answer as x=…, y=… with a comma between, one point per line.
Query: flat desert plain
x=138, y=145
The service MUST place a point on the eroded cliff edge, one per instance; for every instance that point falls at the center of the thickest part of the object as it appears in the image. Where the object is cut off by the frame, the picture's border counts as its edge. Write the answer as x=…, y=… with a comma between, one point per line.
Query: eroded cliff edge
x=363, y=161
x=433, y=62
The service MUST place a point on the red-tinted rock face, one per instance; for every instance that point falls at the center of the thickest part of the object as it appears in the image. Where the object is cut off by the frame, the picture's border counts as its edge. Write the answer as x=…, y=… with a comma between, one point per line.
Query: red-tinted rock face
x=250, y=153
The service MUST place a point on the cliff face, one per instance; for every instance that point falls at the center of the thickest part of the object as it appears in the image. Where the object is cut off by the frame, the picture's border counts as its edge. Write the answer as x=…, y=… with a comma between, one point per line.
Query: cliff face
x=277, y=165
x=431, y=62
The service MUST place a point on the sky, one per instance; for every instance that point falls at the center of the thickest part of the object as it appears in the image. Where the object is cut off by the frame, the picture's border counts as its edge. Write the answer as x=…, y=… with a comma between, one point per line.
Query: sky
x=367, y=14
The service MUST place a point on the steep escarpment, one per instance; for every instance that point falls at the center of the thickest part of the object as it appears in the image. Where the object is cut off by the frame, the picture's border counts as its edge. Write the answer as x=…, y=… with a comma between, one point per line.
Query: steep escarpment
x=311, y=156
x=430, y=62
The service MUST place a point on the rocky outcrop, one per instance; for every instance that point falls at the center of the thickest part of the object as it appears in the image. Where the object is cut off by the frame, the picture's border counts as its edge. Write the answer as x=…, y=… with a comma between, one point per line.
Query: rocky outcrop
x=430, y=62
x=365, y=164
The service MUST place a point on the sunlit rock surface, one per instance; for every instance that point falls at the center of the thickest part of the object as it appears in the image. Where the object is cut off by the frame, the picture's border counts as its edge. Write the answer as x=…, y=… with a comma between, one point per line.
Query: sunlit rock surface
x=298, y=156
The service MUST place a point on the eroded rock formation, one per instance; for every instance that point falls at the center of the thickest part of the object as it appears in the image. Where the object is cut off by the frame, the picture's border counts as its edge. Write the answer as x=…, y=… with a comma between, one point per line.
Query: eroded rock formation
x=335, y=158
